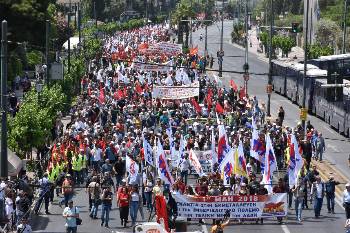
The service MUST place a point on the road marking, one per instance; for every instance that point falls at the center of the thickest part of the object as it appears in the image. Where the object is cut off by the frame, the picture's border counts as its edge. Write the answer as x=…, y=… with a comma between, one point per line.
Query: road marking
x=333, y=147
x=330, y=130
x=285, y=229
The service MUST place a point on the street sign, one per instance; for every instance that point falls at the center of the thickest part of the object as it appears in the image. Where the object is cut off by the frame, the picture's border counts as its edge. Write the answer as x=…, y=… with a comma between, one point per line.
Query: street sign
x=303, y=114
x=246, y=77
x=269, y=89
x=56, y=71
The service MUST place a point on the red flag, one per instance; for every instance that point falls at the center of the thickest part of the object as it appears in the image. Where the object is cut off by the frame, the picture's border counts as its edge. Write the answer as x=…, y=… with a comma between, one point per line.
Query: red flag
x=242, y=93
x=209, y=102
x=219, y=108
x=196, y=106
x=233, y=85
x=210, y=92
x=161, y=211
x=101, y=98
x=53, y=152
x=138, y=88
x=194, y=51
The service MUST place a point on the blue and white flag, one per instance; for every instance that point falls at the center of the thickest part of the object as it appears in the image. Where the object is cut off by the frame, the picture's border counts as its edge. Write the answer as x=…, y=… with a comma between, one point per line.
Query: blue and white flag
x=147, y=150
x=270, y=164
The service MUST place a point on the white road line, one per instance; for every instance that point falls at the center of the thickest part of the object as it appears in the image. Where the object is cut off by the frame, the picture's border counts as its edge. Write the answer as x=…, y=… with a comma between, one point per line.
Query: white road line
x=285, y=229
x=330, y=130
x=333, y=147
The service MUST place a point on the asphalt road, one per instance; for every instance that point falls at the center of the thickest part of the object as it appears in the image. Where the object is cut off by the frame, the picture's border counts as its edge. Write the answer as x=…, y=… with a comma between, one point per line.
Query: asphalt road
x=337, y=152
x=337, y=146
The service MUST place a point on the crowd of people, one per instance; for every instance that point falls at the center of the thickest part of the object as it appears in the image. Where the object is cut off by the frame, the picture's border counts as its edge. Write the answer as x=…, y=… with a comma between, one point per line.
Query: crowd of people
x=116, y=115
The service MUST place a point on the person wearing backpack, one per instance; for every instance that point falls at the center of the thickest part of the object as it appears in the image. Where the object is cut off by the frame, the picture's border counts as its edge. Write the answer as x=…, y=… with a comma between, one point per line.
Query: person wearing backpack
x=330, y=193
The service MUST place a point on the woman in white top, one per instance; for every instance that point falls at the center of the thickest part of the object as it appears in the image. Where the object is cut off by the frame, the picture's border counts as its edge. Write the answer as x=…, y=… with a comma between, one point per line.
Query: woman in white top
x=134, y=204
x=148, y=193
x=9, y=207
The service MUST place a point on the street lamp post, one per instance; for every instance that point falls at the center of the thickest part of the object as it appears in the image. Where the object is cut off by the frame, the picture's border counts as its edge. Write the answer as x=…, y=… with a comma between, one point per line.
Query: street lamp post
x=269, y=85
x=220, y=55
x=3, y=157
x=305, y=62
x=246, y=65
x=344, y=29
x=47, y=50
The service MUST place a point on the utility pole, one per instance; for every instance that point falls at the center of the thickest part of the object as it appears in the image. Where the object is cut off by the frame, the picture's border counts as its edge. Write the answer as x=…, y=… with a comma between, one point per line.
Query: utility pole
x=344, y=28
x=206, y=39
x=69, y=43
x=239, y=11
x=146, y=11
x=3, y=158
x=47, y=37
x=95, y=13
x=246, y=65
x=221, y=52
x=191, y=29
x=305, y=63
x=269, y=85
x=79, y=23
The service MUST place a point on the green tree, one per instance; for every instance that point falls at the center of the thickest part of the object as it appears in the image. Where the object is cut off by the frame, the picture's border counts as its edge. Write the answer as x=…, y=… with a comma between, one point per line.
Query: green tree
x=285, y=43
x=26, y=19
x=327, y=32
x=183, y=12
x=317, y=50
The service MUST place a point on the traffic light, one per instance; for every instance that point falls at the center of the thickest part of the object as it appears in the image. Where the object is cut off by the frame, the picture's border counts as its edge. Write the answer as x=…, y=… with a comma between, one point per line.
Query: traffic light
x=295, y=27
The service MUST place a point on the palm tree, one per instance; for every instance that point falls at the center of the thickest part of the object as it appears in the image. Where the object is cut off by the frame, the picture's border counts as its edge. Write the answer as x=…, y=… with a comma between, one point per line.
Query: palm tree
x=183, y=12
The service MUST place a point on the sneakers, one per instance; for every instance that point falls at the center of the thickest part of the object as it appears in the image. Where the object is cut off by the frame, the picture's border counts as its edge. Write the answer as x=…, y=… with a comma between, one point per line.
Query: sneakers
x=102, y=223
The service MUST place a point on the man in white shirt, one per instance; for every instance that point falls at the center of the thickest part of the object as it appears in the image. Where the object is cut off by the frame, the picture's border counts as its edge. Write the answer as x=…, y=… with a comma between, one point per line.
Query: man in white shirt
x=346, y=200
x=97, y=154
x=318, y=190
x=71, y=213
x=24, y=227
x=184, y=167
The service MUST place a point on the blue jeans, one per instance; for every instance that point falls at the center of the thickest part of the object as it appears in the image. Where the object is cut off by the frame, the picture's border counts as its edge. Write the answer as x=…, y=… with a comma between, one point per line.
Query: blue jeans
x=318, y=206
x=148, y=196
x=71, y=229
x=184, y=175
x=105, y=213
x=78, y=177
x=134, y=207
x=94, y=209
x=298, y=207
x=66, y=197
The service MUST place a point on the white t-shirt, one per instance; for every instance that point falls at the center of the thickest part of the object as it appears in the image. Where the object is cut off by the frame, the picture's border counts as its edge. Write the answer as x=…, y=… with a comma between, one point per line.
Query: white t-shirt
x=97, y=154
x=134, y=196
x=24, y=228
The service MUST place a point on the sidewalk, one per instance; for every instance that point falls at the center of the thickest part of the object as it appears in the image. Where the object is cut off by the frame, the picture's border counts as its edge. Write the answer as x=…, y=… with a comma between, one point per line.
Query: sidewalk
x=254, y=48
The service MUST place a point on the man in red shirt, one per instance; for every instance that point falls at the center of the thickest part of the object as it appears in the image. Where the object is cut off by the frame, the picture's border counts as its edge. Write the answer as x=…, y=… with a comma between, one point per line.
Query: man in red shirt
x=202, y=188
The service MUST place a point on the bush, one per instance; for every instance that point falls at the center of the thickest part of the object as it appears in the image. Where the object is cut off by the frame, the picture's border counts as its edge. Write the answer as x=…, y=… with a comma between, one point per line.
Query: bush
x=317, y=50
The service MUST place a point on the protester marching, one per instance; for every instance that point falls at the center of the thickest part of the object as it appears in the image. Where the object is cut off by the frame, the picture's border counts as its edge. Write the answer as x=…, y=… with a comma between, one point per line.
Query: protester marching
x=150, y=121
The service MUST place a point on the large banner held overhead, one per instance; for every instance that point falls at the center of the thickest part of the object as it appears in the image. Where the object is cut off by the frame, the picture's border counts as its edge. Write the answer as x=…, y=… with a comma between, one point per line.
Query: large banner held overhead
x=215, y=207
x=152, y=67
x=176, y=92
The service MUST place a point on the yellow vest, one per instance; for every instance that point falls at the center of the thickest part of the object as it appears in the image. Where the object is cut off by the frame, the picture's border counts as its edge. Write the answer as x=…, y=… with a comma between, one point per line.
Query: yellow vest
x=83, y=161
x=76, y=163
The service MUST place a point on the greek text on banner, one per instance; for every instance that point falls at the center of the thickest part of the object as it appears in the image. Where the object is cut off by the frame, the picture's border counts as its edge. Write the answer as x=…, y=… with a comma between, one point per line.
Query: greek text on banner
x=176, y=92
x=214, y=207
